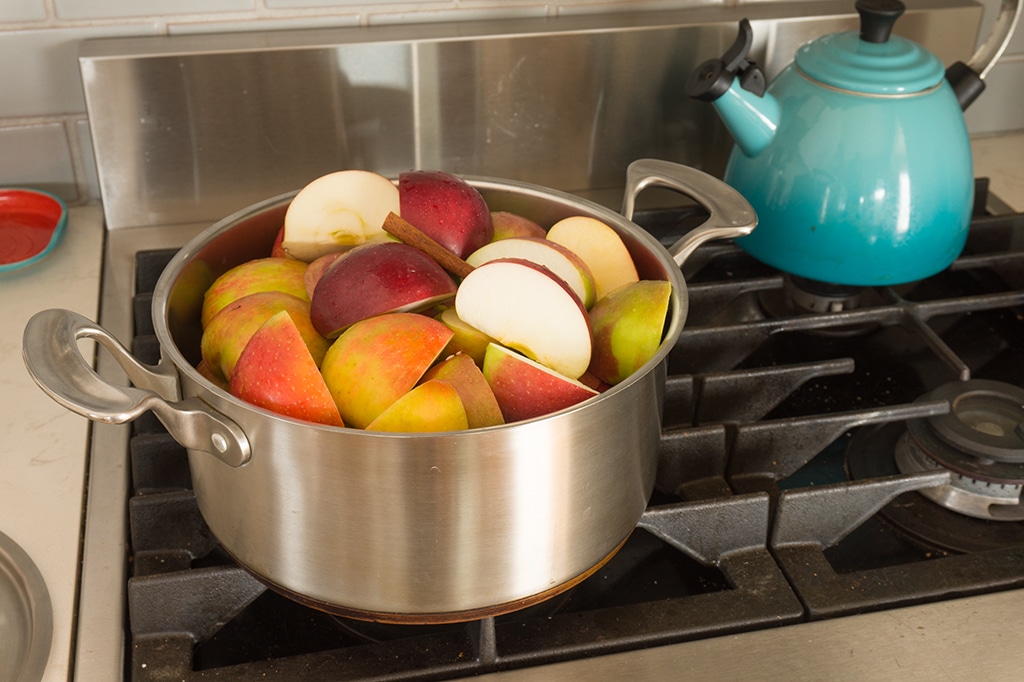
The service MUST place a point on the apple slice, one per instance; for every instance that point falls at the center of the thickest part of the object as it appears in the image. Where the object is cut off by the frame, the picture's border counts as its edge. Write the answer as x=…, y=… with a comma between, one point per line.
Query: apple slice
x=340, y=209
x=526, y=389
x=262, y=274
x=378, y=360
x=600, y=247
x=465, y=339
x=276, y=372
x=461, y=372
x=317, y=269
x=526, y=307
x=229, y=331
x=628, y=325
x=377, y=278
x=447, y=209
x=549, y=254
x=430, y=407
x=508, y=224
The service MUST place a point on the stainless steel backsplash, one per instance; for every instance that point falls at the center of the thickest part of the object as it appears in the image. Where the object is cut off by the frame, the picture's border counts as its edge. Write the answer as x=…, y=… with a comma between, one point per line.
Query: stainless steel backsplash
x=189, y=129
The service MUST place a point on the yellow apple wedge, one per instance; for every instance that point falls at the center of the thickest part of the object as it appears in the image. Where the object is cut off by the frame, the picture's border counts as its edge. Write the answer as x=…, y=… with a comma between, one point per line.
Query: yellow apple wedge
x=508, y=224
x=378, y=360
x=465, y=339
x=229, y=331
x=254, y=276
x=601, y=249
x=430, y=407
x=276, y=372
x=478, y=399
x=338, y=210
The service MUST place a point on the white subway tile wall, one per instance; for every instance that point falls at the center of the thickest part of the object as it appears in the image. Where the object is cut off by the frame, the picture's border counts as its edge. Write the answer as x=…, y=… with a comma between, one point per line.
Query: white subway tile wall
x=44, y=136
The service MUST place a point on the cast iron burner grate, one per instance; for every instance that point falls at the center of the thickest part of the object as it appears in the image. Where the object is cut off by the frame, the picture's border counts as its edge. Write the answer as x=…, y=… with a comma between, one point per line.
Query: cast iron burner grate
x=755, y=521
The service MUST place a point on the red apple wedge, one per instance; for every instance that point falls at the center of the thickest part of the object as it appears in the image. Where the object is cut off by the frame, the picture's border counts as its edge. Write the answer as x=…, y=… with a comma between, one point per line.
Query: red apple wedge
x=430, y=407
x=262, y=274
x=478, y=399
x=276, y=372
x=447, y=209
x=526, y=307
x=378, y=360
x=508, y=224
x=555, y=257
x=628, y=325
x=338, y=210
x=526, y=389
x=600, y=247
x=377, y=278
x=229, y=331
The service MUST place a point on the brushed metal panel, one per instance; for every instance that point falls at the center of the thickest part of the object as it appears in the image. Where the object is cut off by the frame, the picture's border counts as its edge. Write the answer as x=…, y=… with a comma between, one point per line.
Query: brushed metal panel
x=192, y=128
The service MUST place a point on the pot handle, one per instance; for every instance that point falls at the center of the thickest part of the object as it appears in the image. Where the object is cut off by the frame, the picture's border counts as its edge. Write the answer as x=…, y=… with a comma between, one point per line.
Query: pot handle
x=731, y=215
x=51, y=354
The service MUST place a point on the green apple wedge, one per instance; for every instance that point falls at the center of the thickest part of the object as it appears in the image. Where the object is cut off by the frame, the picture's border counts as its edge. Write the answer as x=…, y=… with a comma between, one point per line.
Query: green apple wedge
x=465, y=339
x=477, y=397
x=430, y=407
x=628, y=325
x=526, y=389
x=276, y=372
x=254, y=276
x=376, y=361
x=229, y=331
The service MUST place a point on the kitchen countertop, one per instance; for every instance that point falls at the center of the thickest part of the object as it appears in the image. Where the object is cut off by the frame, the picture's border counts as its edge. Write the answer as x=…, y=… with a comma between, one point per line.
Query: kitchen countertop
x=42, y=456
x=42, y=445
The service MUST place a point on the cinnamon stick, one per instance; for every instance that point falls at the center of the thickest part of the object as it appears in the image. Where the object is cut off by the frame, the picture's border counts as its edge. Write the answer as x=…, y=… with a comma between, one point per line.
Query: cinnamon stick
x=410, y=234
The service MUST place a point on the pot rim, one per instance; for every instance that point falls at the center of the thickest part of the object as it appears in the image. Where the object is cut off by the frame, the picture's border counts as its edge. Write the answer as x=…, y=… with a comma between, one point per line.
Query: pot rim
x=169, y=350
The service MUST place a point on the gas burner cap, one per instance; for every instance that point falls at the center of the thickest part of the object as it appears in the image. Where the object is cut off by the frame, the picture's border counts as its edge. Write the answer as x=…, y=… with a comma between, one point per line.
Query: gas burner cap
x=981, y=441
x=800, y=296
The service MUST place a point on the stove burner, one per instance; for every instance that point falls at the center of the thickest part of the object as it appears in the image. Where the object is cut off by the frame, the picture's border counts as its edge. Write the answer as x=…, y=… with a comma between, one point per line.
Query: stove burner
x=799, y=296
x=981, y=440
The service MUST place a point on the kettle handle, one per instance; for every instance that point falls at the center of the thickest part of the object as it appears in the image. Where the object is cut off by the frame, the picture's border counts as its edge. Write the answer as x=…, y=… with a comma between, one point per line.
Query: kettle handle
x=968, y=80
x=53, y=359
x=731, y=215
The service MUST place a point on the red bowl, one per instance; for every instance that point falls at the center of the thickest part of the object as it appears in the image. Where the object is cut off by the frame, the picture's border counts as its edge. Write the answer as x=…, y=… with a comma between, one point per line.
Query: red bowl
x=32, y=223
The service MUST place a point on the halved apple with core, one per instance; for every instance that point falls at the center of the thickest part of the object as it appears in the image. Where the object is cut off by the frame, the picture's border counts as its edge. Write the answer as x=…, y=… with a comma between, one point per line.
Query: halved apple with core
x=276, y=372
x=526, y=389
x=377, y=278
x=526, y=307
x=378, y=360
x=555, y=257
x=600, y=247
x=337, y=210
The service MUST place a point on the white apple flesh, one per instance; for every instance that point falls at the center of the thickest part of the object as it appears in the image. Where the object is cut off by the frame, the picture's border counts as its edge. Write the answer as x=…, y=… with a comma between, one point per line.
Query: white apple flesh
x=524, y=306
x=600, y=247
x=555, y=257
x=338, y=210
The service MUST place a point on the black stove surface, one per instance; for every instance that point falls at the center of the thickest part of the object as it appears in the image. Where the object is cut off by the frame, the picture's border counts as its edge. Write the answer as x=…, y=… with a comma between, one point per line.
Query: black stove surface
x=777, y=499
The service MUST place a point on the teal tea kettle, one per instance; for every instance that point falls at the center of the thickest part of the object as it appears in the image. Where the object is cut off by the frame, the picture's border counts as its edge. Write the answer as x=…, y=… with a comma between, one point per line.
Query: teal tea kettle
x=856, y=157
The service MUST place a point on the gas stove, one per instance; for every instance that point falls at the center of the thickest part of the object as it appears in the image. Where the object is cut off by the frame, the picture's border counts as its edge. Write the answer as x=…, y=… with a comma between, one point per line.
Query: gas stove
x=819, y=461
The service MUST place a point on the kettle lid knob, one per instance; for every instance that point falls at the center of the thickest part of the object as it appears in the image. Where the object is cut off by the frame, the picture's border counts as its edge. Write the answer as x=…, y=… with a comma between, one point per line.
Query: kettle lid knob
x=877, y=18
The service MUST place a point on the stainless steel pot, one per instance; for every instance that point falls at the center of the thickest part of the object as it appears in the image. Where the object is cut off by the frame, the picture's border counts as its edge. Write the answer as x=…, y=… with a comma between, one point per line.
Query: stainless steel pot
x=398, y=527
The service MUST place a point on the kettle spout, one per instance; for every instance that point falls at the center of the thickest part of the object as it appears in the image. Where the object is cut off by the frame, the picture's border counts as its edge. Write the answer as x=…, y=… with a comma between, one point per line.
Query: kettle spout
x=735, y=86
